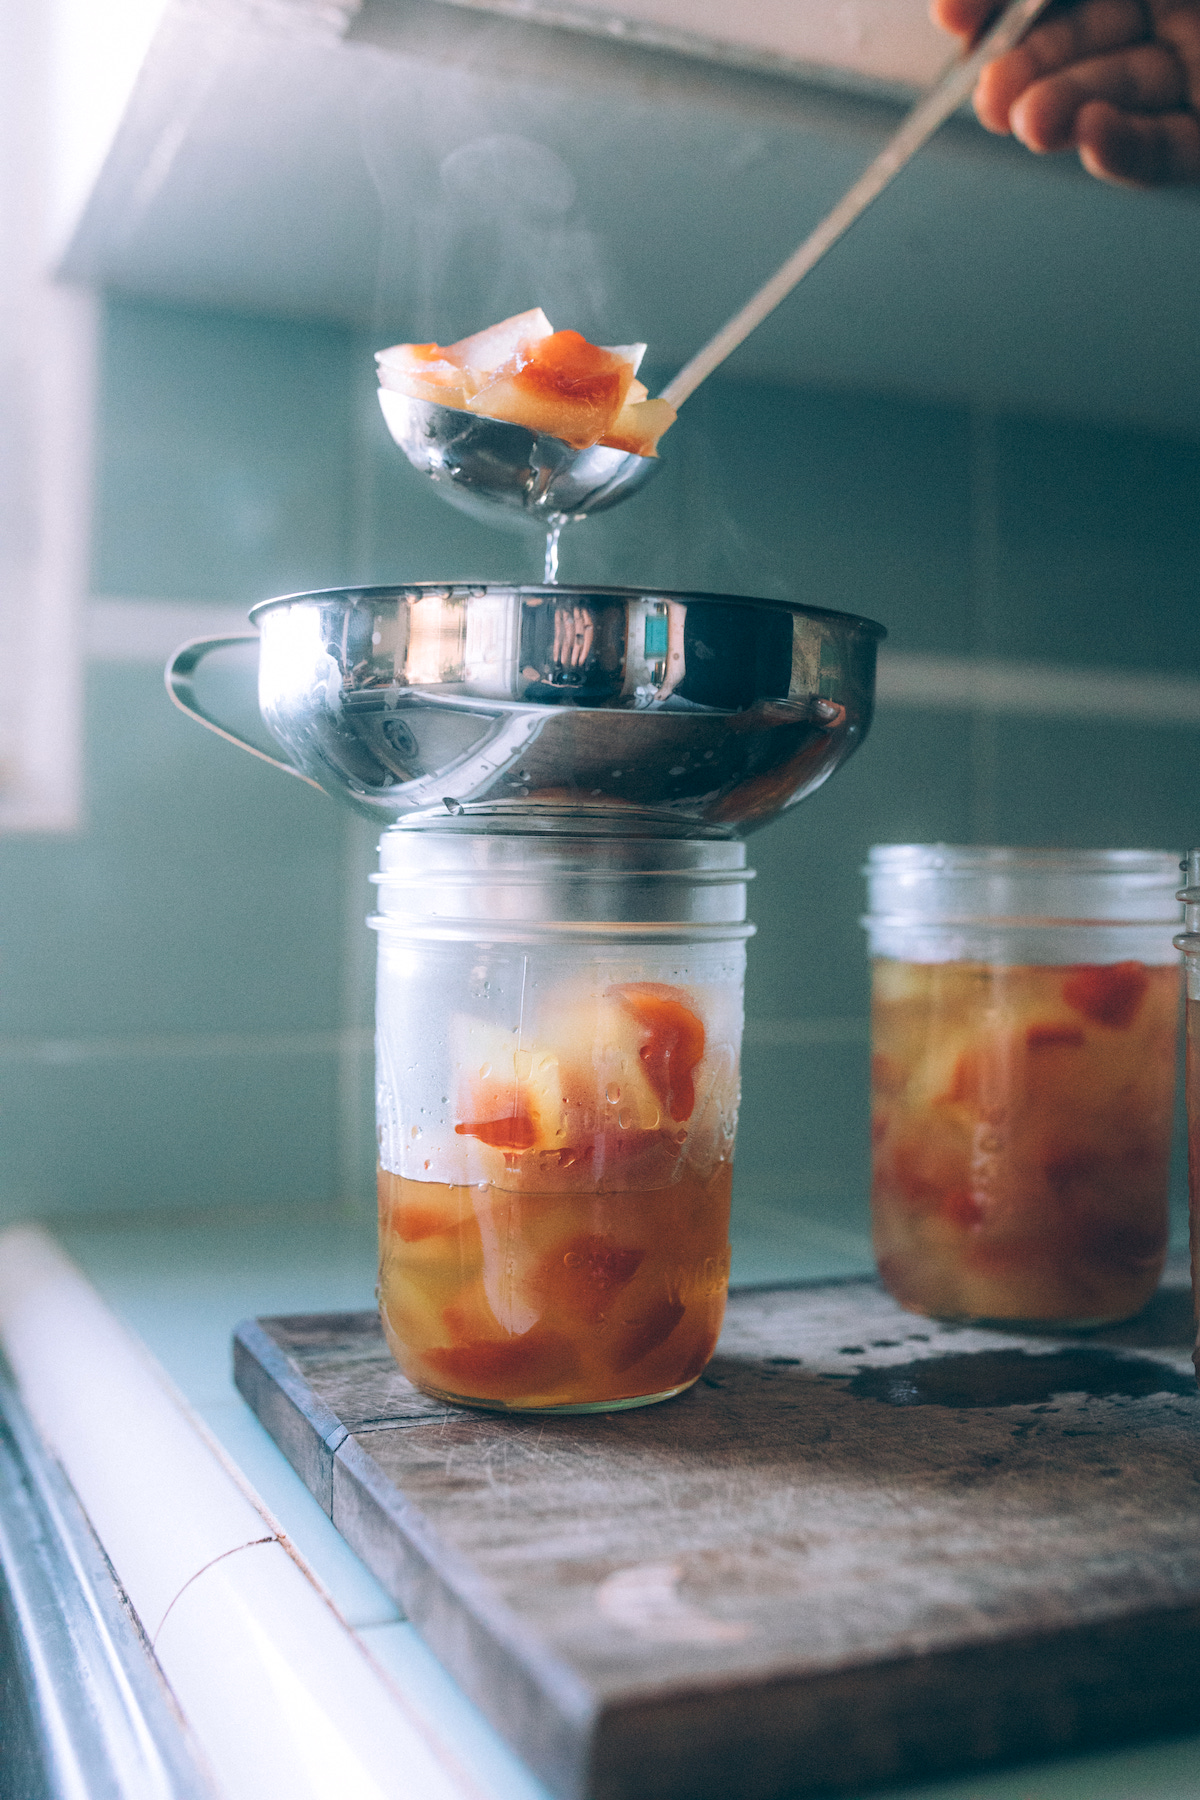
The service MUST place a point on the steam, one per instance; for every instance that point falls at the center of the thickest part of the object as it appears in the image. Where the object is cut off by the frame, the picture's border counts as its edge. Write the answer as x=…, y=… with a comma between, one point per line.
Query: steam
x=490, y=227
x=513, y=202
x=509, y=176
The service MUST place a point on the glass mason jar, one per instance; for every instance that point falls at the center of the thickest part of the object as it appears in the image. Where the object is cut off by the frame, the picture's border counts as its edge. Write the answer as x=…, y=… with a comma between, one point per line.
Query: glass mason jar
x=558, y=1027
x=1023, y=1035
x=1189, y=942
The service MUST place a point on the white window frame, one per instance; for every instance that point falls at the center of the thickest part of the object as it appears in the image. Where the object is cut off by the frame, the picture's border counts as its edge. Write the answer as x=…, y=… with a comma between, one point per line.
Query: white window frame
x=66, y=70
x=46, y=412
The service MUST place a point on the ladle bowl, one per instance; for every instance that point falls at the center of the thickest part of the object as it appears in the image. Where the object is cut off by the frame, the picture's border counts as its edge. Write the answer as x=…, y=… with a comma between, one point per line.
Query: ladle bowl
x=481, y=464
x=602, y=710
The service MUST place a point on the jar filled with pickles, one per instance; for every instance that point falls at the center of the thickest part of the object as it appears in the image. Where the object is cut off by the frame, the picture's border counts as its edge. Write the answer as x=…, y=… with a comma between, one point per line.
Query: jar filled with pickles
x=1024, y=1025
x=559, y=1026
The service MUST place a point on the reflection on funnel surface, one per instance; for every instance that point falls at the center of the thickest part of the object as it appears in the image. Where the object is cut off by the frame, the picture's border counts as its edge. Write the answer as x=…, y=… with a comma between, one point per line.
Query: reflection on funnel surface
x=698, y=712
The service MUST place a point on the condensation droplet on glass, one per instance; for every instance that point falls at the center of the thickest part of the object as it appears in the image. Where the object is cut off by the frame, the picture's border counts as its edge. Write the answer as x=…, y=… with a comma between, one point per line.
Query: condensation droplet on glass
x=612, y=1093
x=426, y=1162
x=485, y=1070
x=523, y=1064
x=655, y=1119
x=624, y=1118
x=415, y=1132
x=681, y=1137
x=573, y=1259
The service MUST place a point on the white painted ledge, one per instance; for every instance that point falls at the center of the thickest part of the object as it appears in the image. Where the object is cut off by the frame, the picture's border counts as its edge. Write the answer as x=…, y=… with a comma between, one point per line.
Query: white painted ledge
x=283, y=1700
x=871, y=44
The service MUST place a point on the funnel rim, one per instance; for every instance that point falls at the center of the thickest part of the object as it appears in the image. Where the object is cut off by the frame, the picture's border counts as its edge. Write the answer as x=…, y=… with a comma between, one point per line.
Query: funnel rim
x=469, y=587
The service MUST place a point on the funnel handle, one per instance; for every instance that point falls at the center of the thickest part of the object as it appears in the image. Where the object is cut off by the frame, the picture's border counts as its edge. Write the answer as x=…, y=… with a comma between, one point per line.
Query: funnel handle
x=181, y=687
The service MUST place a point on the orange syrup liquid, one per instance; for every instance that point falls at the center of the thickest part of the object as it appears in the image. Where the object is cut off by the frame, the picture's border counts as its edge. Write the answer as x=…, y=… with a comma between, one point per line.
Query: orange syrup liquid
x=535, y=1300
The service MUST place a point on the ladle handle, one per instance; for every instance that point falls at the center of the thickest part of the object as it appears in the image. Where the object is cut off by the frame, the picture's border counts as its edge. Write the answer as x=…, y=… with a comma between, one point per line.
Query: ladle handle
x=931, y=110
x=181, y=687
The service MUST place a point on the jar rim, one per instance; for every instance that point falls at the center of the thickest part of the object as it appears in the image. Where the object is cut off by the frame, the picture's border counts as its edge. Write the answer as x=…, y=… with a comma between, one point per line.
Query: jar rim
x=901, y=921
x=597, y=933
x=939, y=858
x=486, y=855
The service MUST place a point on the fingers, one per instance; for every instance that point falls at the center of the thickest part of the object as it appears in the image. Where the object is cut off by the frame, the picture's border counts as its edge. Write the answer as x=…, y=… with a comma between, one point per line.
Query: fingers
x=574, y=636
x=1177, y=23
x=1119, y=80
x=1138, y=152
x=585, y=635
x=1145, y=79
x=962, y=18
x=1084, y=33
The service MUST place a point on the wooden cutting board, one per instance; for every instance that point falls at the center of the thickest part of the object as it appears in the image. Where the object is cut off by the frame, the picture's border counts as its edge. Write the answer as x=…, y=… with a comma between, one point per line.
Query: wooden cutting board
x=863, y=1547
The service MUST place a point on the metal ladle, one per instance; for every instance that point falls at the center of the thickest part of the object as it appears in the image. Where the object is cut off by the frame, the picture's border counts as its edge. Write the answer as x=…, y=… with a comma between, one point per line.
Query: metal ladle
x=481, y=464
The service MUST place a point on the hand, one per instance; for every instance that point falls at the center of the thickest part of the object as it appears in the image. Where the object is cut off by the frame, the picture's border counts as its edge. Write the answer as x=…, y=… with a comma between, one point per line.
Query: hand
x=1116, y=80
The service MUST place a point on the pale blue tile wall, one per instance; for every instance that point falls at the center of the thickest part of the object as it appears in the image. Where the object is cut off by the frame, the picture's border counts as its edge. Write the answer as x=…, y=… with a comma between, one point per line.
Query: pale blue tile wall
x=1097, y=554
x=225, y=465
x=173, y=994
x=185, y=983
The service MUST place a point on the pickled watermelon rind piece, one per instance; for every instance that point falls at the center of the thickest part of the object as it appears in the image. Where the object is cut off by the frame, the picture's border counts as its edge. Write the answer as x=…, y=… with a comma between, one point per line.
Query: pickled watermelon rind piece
x=523, y=372
x=605, y=1093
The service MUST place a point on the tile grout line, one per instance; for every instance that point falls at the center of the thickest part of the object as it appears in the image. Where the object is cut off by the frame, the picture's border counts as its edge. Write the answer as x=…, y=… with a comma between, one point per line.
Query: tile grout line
x=801, y=1033
x=149, y=631
x=997, y=685
x=351, y=1040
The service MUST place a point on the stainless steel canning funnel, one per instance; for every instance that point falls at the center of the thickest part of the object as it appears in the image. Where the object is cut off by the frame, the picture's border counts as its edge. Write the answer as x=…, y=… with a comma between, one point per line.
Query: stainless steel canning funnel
x=595, y=709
